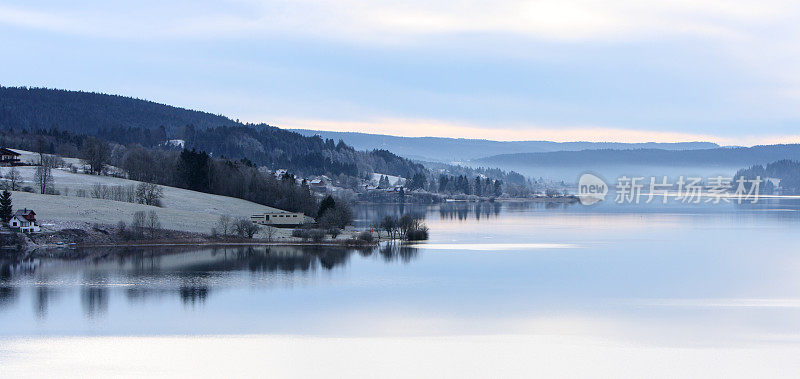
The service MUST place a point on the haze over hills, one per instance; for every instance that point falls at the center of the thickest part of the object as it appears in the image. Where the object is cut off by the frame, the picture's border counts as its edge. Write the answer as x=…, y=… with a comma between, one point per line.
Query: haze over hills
x=461, y=149
x=717, y=156
x=645, y=162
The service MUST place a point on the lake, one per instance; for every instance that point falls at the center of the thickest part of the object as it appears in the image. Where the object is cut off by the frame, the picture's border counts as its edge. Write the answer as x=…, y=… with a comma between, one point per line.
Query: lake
x=497, y=282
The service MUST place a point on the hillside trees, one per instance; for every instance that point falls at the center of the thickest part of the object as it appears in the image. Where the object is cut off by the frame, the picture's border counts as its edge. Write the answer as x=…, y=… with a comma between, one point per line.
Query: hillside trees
x=13, y=178
x=95, y=153
x=149, y=194
x=43, y=176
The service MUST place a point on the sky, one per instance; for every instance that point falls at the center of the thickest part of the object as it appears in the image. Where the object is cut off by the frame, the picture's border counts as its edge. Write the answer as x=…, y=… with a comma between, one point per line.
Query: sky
x=561, y=70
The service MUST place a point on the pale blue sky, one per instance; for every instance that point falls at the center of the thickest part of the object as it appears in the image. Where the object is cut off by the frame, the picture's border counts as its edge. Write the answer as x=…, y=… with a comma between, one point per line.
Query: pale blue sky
x=727, y=72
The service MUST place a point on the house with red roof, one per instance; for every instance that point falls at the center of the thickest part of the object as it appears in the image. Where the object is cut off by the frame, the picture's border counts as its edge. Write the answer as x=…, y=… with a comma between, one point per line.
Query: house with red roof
x=24, y=220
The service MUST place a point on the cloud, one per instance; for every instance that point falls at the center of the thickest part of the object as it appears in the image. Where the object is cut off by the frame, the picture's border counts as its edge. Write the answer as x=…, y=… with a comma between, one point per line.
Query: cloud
x=382, y=20
x=627, y=70
x=589, y=133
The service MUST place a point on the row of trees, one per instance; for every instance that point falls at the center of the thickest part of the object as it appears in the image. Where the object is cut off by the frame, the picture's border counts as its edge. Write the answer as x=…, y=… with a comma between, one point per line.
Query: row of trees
x=143, y=225
x=228, y=226
x=198, y=171
x=461, y=184
x=788, y=171
x=406, y=227
x=142, y=193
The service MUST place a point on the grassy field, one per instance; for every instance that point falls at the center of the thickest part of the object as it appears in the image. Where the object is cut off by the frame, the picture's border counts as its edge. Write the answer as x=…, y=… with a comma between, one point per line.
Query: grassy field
x=182, y=209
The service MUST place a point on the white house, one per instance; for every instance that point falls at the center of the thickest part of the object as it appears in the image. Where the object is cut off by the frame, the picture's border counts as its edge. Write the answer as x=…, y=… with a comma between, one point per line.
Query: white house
x=281, y=218
x=24, y=220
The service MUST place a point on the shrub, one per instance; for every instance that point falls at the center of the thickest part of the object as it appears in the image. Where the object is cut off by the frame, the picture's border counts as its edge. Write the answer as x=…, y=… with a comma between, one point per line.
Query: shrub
x=365, y=236
x=334, y=232
x=121, y=227
x=12, y=240
x=417, y=234
x=245, y=228
x=317, y=235
x=300, y=233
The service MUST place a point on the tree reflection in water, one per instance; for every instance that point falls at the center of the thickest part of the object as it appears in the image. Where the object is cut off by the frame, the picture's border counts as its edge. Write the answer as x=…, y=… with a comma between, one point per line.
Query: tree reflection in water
x=192, y=273
x=396, y=250
x=463, y=211
x=94, y=300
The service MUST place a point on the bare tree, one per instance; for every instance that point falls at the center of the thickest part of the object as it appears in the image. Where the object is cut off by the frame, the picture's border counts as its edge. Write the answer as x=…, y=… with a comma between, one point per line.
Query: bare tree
x=41, y=146
x=149, y=194
x=139, y=222
x=14, y=179
x=270, y=232
x=153, y=224
x=224, y=225
x=96, y=153
x=44, y=174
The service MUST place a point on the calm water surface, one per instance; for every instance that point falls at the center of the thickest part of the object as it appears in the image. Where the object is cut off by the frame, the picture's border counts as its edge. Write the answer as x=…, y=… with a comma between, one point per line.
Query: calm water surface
x=680, y=275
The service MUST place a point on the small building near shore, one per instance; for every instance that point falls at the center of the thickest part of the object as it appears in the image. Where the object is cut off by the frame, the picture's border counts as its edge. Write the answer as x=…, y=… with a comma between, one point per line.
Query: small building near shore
x=24, y=220
x=281, y=219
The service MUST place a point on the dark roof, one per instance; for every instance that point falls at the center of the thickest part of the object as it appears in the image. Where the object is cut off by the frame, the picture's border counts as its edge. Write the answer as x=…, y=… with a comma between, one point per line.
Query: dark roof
x=6, y=151
x=28, y=214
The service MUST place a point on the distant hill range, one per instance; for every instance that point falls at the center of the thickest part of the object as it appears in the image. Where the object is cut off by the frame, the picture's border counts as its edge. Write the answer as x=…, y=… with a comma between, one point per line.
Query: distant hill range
x=721, y=156
x=462, y=149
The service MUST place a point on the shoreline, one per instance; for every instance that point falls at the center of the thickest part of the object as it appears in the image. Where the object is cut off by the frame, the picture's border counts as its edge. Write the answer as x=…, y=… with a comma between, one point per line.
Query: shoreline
x=344, y=243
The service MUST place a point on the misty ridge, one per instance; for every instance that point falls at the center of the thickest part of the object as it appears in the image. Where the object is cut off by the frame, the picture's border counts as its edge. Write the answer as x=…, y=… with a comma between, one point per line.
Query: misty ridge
x=721, y=156
x=439, y=149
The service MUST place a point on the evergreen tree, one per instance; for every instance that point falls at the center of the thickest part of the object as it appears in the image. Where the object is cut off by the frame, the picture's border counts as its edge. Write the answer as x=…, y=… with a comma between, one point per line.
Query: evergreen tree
x=327, y=203
x=384, y=182
x=5, y=207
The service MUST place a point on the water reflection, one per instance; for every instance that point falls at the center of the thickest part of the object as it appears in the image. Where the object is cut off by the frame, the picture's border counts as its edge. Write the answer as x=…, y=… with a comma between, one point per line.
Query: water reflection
x=8, y=294
x=370, y=216
x=463, y=211
x=193, y=294
x=398, y=251
x=94, y=300
x=489, y=267
x=44, y=295
x=189, y=274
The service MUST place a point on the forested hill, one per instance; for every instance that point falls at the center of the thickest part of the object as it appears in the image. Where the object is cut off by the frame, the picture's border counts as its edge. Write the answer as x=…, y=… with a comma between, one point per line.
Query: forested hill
x=128, y=121
x=87, y=112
